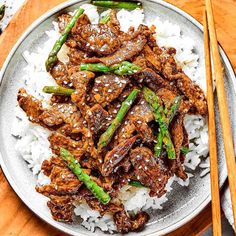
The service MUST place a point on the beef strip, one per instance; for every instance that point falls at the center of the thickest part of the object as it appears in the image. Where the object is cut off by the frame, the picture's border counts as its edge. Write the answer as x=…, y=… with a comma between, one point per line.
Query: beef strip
x=177, y=134
x=76, y=56
x=149, y=171
x=125, y=52
x=116, y=155
x=59, y=73
x=58, y=141
x=61, y=211
x=151, y=79
x=97, y=119
x=31, y=106
x=152, y=59
x=126, y=224
x=81, y=81
x=194, y=93
x=107, y=88
x=136, y=120
x=99, y=39
x=63, y=181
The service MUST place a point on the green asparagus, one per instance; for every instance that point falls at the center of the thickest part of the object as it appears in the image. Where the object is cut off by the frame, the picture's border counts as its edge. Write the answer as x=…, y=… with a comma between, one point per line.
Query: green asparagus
x=118, y=4
x=52, y=58
x=154, y=103
x=185, y=150
x=174, y=109
x=124, y=68
x=75, y=167
x=105, y=19
x=2, y=11
x=58, y=90
x=126, y=104
x=97, y=67
x=169, y=117
x=136, y=183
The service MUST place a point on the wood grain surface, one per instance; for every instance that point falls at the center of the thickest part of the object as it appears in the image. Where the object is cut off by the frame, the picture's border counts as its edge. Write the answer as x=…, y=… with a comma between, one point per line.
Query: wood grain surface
x=15, y=217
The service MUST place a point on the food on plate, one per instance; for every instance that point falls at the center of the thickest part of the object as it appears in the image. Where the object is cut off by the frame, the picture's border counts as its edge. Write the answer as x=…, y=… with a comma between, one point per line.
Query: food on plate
x=115, y=118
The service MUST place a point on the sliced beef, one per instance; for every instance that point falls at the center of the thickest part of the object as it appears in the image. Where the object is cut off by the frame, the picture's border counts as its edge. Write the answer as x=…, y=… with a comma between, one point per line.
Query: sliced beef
x=60, y=113
x=177, y=134
x=99, y=39
x=107, y=88
x=116, y=155
x=152, y=59
x=128, y=50
x=76, y=56
x=149, y=171
x=81, y=81
x=59, y=73
x=58, y=141
x=97, y=119
x=126, y=223
x=31, y=106
x=61, y=211
x=194, y=93
x=151, y=79
x=136, y=120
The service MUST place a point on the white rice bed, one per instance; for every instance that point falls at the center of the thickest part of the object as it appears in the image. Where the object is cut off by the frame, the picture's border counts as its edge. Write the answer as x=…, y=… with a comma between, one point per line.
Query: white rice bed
x=32, y=144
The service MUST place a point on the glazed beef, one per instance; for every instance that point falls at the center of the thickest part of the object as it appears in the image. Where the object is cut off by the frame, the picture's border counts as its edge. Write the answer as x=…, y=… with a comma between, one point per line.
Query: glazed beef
x=149, y=171
x=107, y=88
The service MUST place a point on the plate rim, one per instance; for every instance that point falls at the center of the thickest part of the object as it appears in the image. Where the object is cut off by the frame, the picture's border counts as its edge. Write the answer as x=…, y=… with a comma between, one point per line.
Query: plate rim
x=10, y=180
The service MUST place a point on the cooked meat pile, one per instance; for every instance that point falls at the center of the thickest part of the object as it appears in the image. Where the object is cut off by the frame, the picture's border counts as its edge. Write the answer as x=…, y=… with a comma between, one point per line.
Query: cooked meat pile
x=77, y=122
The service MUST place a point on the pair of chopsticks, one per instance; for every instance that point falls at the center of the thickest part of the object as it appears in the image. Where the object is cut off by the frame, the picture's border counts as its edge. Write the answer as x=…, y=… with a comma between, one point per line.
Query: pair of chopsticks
x=212, y=49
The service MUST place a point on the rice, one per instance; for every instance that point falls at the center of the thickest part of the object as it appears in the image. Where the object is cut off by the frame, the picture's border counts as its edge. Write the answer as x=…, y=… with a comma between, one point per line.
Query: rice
x=32, y=144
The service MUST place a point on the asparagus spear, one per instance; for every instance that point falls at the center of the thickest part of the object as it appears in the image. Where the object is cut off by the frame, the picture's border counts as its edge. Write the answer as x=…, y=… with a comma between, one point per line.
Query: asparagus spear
x=185, y=150
x=136, y=183
x=118, y=4
x=58, y=90
x=126, y=104
x=95, y=67
x=170, y=115
x=75, y=167
x=52, y=58
x=154, y=103
x=2, y=11
x=124, y=68
x=105, y=19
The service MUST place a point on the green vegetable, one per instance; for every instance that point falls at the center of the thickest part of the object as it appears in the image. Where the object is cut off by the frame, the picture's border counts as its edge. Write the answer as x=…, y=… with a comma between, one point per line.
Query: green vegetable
x=124, y=68
x=174, y=109
x=52, y=58
x=126, y=104
x=75, y=167
x=157, y=109
x=97, y=67
x=2, y=11
x=58, y=90
x=185, y=150
x=136, y=183
x=118, y=4
x=105, y=19
x=170, y=114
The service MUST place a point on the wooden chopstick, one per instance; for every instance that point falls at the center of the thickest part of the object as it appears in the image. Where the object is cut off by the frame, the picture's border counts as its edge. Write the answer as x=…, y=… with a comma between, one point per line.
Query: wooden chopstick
x=223, y=108
x=215, y=191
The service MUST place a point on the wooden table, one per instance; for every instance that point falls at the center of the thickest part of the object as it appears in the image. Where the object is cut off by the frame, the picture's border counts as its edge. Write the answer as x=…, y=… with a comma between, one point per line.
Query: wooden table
x=15, y=217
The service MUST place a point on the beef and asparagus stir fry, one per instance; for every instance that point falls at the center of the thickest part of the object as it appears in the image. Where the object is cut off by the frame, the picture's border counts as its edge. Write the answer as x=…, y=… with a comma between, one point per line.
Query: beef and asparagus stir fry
x=116, y=117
